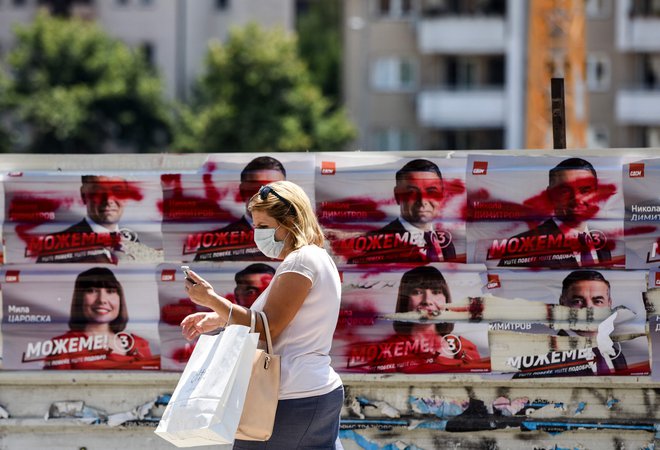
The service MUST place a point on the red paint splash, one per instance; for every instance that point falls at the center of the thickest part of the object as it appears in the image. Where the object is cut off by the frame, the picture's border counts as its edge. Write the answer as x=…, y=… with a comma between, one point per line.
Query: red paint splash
x=543, y=205
x=29, y=211
x=174, y=313
x=182, y=354
x=641, y=230
x=178, y=206
x=103, y=188
x=350, y=210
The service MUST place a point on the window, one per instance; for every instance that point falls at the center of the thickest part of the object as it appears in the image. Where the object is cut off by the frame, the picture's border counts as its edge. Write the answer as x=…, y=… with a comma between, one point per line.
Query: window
x=393, y=139
x=645, y=8
x=148, y=51
x=598, y=9
x=652, y=137
x=222, y=5
x=146, y=2
x=651, y=71
x=471, y=139
x=393, y=74
x=598, y=72
x=598, y=136
x=121, y=2
x=394, y=8
x=19, y=2
x=462, y=71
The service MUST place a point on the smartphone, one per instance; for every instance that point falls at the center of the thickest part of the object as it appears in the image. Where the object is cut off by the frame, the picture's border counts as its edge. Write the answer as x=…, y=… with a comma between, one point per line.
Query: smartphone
x=185, y=272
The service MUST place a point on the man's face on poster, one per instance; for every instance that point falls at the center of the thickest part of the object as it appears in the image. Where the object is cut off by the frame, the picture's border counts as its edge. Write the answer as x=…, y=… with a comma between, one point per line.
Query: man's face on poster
x=249, y=287
x=254, y=179
x=573, y=195
x=587, y=294
x=419, y=195
x=104, y=198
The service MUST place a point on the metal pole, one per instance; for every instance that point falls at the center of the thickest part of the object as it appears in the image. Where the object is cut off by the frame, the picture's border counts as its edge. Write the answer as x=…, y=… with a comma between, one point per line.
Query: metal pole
x=558, y=114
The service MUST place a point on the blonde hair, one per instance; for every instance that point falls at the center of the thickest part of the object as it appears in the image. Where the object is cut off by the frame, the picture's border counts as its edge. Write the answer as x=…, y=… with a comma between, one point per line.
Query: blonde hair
x=297, y=217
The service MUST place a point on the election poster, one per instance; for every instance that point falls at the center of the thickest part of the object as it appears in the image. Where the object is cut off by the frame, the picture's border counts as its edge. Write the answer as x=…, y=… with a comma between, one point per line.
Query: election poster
x=390, y=320
x=641, y=180
x=80, y=317
x=111, y=218
x=205, y=214
x=545, y=211
x=239, y=282
x=383, y=208
x=566, y=323
x=652, y=301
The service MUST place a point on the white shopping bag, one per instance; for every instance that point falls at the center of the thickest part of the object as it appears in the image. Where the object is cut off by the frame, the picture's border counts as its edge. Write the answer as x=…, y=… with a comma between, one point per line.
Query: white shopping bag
x=207, y=403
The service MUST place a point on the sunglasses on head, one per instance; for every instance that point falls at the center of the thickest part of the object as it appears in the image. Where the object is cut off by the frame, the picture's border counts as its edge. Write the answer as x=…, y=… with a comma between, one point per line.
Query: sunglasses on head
x=265, y=190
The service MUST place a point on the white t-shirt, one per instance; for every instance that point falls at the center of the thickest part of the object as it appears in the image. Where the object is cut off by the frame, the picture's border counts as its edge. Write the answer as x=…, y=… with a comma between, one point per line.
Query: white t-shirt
x=304, y=345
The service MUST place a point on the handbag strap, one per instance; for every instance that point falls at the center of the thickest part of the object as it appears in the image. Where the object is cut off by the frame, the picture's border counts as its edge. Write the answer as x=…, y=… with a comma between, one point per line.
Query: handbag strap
x=264, y=320
x=269, y=343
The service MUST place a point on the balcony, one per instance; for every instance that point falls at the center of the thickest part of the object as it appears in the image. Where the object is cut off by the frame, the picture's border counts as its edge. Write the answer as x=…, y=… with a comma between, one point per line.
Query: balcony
x=642, y=34
x=638, y=106
x=462, y=108
x=461, y=34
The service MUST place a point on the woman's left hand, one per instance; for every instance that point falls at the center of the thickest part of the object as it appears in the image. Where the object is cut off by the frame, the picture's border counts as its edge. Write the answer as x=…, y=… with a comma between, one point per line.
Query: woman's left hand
x=200, y=292
x=202, y=322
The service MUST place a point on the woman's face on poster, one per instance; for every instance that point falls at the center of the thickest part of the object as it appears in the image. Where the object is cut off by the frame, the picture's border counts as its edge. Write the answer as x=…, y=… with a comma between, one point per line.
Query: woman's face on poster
x=101, y=305
x=426, y=299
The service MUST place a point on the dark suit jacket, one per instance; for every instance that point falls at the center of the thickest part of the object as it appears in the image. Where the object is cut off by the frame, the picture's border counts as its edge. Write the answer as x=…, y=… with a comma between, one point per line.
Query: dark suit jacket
x=550, y=227
x=409, y=253
x=239, y=254
x=81, y=256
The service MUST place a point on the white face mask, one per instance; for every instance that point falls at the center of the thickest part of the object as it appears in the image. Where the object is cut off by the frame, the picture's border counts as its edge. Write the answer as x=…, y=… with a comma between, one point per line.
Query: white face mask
x=265, y=240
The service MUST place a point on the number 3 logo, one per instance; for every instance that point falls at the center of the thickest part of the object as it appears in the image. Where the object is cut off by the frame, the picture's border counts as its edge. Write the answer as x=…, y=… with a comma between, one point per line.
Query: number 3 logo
x=124, y=341
x=452, y=344
x=444, y=238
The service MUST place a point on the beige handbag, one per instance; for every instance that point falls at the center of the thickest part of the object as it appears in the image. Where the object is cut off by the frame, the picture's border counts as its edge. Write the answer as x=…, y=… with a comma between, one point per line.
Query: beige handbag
x=258, y=415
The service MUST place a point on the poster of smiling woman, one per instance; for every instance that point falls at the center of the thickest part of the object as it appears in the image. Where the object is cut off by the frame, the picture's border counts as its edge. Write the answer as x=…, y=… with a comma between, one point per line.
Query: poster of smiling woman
x=382, y=207
x=392, y=320
x=80, y=317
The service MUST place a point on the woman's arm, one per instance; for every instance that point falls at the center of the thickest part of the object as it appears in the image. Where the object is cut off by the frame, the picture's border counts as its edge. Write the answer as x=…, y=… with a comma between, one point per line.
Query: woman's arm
x=285, y=298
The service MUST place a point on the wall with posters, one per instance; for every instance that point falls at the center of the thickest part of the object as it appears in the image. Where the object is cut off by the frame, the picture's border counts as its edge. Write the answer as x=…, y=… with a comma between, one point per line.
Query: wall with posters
x=499, y=266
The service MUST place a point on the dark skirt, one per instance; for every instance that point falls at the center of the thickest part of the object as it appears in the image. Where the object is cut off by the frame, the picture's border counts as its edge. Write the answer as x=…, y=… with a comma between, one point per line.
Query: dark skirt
x=303, y=423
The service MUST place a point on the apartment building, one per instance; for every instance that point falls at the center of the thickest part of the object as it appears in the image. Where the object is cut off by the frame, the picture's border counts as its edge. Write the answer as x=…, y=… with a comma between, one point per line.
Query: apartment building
x=450, y=74
x=173, y=33
x=434, y=74
x=633, y=94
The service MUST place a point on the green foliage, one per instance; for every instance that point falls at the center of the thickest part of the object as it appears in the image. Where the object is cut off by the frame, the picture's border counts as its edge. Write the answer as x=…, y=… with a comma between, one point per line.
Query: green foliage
x=5, y=136
x=319, y=45
x=75, y=89
x=255, y=95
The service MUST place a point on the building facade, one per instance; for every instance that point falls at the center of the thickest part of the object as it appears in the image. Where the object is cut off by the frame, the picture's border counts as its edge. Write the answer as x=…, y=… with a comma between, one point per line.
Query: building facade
x=173, y=33
x=451, y=75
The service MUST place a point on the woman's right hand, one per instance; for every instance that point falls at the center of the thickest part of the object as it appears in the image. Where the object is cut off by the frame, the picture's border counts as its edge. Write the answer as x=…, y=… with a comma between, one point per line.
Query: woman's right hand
x=202, y=322
x=200, y=291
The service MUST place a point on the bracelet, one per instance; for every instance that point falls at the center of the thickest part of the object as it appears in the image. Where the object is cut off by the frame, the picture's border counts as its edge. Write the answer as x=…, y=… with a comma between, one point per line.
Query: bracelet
x=231, y=309
x=253, y=317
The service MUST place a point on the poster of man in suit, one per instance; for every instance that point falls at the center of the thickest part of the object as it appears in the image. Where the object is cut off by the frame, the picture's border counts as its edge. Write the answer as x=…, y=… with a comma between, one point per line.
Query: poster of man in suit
x=383, y=208
x=106, y=218
x=205, y=213
x=545, y=211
